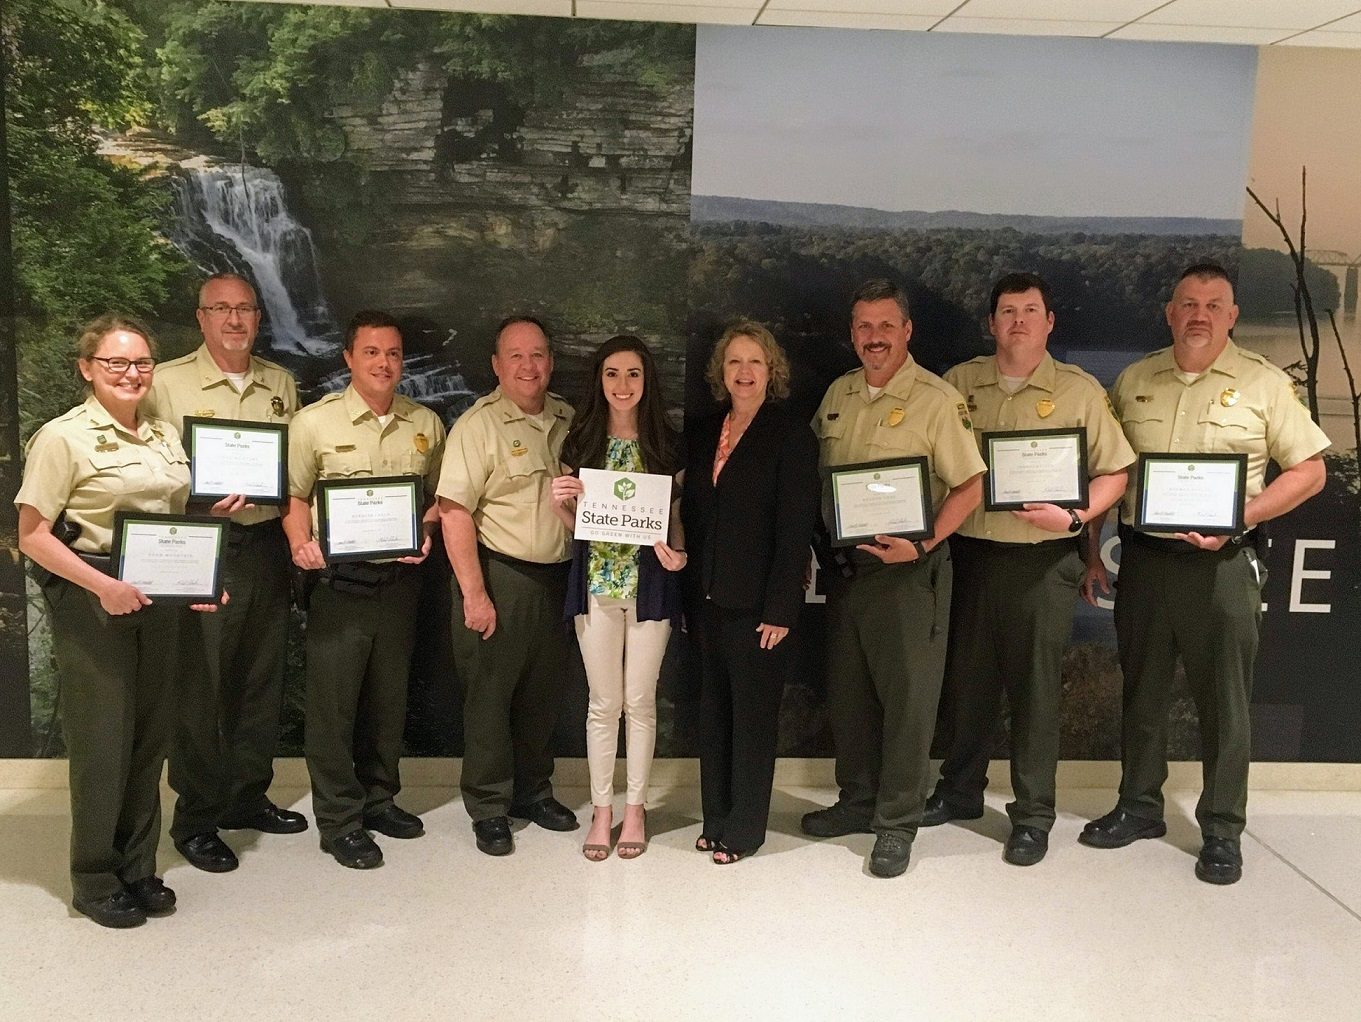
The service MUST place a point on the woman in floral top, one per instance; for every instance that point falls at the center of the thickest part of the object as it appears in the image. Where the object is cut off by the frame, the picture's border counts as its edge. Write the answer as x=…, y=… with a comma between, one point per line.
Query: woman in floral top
x=622, y=598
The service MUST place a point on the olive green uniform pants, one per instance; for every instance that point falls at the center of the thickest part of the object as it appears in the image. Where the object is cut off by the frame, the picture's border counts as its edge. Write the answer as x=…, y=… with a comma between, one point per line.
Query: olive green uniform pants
x=117, y=705
x=358, y=669
x=1010, y=619
x=886, y=634
x=232, y=683
x=512, y=685
x=1204, y=606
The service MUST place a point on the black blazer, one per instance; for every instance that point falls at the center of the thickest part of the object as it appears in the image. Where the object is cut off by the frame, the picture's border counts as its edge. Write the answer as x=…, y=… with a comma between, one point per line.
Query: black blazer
x=749, y=536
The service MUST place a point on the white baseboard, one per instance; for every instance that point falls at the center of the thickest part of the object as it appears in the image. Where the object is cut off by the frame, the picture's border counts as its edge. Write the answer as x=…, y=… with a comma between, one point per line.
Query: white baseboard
x=808, y=773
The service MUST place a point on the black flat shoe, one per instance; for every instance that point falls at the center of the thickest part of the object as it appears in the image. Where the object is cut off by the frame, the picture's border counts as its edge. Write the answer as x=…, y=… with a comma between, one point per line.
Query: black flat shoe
x=1026, y=846
x=548, y=813
x=1220, y=861
x=152, y=896
x=118, y=911
x=834, y=821
x=493, y=836
x=393, y=821
x=269, y=821
x=939, y=811
x=207, y=852
x=1119, y=828
x=355, y=850
x=891, y=854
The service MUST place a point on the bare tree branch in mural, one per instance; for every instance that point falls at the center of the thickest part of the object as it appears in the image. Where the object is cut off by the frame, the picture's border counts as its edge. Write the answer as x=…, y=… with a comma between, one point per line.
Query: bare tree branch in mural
x=1304, y=302
x=1351, y=384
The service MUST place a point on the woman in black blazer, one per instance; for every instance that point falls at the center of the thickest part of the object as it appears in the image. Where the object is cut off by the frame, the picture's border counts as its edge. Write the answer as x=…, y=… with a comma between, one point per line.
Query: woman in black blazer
x=748, y=506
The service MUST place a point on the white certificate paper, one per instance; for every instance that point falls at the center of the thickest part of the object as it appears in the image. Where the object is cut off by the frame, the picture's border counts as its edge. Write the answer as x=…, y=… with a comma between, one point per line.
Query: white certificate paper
x=880, y=500
x=1035, y=469
x=623, y=507
x=1191, y=495
x=371, y=520
x=171, y=559
x=234, y=458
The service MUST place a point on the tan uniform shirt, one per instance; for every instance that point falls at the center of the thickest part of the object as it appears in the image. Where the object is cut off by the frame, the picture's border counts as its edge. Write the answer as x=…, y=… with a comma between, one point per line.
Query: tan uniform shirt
x=916, y=414
x=87, y=465
x=499, y=464
x=339, y=437
x=194, y=385
x=1242, y=404
x=1056, y=396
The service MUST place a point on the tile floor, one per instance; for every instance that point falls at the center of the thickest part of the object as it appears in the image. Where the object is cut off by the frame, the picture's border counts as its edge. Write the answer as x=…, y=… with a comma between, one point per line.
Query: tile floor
x=801, y=931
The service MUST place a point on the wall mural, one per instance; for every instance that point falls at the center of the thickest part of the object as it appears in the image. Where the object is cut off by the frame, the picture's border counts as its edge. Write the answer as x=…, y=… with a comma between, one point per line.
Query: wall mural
x=456, y=168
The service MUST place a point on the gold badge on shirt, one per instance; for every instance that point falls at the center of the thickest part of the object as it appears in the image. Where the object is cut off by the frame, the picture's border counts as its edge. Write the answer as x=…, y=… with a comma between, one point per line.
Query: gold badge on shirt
x=205, y=413
x=895, y=416
x=276, y=405
x=422, y=442
x=1044, y=408
x=516, y=450
x=1229, y=398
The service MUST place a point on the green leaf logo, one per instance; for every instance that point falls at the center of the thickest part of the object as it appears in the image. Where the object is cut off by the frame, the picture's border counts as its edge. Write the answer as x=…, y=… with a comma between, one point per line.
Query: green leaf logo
x=625, y=488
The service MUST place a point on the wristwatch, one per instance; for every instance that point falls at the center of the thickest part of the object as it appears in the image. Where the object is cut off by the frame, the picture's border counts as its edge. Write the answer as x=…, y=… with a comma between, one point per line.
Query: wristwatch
x=1076, y=527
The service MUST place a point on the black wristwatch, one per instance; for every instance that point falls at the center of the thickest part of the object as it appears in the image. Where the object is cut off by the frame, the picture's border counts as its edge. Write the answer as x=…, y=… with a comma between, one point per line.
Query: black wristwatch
x=1076, y=527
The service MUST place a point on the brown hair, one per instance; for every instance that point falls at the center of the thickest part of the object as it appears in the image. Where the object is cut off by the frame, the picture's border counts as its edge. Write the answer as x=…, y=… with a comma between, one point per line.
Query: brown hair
x=100, y=327
x=776, y=360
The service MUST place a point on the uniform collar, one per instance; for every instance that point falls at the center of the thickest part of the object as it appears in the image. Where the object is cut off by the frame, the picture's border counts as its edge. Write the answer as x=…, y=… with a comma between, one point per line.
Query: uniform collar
x=899, y=385
x=1228, y=363
x=96, y=416
x=511, y=412
x=357, y=408
x=210, y=373
x=1044, y=377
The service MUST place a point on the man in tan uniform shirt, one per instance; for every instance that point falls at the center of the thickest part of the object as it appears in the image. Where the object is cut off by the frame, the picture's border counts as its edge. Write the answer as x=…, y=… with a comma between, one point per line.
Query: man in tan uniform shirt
x=222, y=755
x=1192, y=595
x=510, y=555
x=1017, y=573
x=886, y=625
x=361, y=617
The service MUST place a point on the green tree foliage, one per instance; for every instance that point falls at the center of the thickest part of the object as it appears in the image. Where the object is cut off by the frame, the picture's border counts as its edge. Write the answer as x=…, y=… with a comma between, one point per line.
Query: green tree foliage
x=1266, y=284
x=84, y=231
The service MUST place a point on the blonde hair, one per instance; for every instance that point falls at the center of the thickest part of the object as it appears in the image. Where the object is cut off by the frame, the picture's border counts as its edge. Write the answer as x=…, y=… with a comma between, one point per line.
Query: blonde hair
x=776, y=361
x=100, y=327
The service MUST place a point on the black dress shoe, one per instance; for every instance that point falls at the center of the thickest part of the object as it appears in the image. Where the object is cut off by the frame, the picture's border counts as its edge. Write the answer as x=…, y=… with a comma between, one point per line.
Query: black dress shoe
x=834, y=821
x=890, y=856
x=118, y=911
x=393, y=821
x=151, y=894
x=548, y=813
x=272, y=820
x=493, y=836
x=355, y=850
x=1026, y=846
x=1119, y=828
x=207, y=852
x=1220, y=861
x=939, y=811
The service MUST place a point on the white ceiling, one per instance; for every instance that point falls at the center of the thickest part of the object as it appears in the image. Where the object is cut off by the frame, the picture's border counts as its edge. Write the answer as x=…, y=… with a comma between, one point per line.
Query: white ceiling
x=1332, y=23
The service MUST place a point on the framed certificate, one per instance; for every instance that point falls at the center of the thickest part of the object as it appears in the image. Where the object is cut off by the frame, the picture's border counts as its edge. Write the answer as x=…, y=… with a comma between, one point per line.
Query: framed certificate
x=170, y=557
x=623, y=507
x=1185, y=492
x=369, y=519
x=228, y=456
x=1035, y=466
x=877, y=498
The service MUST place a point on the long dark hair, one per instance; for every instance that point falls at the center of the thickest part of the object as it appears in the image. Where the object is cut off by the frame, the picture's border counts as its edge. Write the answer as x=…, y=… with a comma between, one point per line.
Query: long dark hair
x=589, y=434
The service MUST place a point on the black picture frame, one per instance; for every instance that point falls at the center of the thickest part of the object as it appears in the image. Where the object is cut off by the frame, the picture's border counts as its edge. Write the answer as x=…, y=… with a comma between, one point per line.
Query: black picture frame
x=990, y=500
x=833, y=477
x=1190, y=459
x=118, y=551
x=190, y=432
x=322, y=494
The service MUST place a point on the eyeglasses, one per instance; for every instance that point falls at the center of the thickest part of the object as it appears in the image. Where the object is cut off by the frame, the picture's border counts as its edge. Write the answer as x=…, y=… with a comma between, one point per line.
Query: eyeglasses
x=118, y=366
x=222, y=309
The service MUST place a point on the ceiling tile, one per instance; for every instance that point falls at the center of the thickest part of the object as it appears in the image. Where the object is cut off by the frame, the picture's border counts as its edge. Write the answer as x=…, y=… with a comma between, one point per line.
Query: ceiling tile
x=936, y=9
x=1334, y=40
x=1296, y=14
x=1200, y=34
x=829, y=19
x=1027, y=26
x=709, y=14
x=556, y=8
x=1058, y=10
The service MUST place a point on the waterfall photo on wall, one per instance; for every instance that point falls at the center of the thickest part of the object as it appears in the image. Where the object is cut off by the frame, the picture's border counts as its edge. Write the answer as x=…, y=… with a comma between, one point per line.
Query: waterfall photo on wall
x=449, y=169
